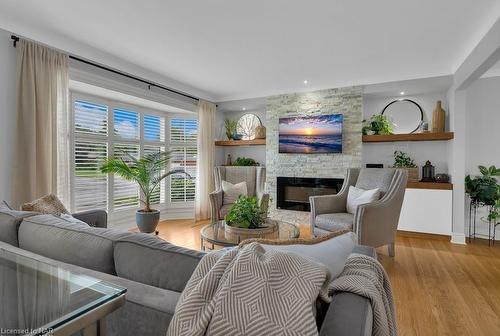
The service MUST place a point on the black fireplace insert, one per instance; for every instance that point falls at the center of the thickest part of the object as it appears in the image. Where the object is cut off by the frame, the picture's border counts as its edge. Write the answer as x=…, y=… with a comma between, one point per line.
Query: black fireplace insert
x=293, y=192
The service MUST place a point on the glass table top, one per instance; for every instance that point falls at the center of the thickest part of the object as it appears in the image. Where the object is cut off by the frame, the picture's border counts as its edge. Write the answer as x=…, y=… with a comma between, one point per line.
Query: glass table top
x=36, y=297
x=217, y=234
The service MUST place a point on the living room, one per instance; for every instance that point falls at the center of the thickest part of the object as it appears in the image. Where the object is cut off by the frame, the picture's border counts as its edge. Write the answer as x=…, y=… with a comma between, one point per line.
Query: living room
x=325, y=167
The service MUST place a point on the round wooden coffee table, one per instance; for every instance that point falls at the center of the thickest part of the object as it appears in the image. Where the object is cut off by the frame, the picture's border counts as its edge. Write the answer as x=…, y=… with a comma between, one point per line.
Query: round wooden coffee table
x=215, y=234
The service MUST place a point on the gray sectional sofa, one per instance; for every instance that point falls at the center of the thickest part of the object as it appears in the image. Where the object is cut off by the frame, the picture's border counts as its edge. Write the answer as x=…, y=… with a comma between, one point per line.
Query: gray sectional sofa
x=154, y=271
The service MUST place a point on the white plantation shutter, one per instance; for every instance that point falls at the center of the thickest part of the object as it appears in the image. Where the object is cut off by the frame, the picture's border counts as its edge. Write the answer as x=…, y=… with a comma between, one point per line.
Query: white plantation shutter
x=183, y=130
x=103, y=128
x=158, y=196
x=91, y=185
x=90, y=118
x=125, y=193
x=126, y=124
x=154, y=128
x=183, y=133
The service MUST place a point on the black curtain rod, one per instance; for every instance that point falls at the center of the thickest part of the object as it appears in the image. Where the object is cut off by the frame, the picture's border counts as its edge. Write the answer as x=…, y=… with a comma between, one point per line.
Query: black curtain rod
x=15, y=39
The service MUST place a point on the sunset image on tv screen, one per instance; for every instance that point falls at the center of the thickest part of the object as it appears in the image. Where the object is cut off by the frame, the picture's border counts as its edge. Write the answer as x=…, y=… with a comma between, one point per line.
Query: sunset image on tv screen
x=311, y=134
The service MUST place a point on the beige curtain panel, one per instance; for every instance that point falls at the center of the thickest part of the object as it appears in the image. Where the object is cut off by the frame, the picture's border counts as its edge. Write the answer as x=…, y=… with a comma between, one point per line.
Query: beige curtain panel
x=206, y=162
x=42, y=124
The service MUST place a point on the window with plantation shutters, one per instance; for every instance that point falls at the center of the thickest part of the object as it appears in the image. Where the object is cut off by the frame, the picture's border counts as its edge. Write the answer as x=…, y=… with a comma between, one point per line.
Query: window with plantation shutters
x=183, y=134
x=104, y=128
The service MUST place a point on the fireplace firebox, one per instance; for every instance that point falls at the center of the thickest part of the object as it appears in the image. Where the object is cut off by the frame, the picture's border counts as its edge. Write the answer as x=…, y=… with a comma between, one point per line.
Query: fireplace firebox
x=293, y=193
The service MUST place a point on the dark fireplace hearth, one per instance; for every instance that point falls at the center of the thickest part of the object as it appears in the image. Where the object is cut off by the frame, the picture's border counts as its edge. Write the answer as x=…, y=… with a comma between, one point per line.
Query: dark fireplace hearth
x=293, y=193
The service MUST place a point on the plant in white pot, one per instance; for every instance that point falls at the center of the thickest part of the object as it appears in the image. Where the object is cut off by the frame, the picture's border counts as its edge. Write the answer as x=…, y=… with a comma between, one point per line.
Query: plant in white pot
x=147, y=172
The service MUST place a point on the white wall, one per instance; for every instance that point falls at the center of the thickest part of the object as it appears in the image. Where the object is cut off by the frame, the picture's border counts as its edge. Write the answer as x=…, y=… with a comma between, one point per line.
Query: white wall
x=482, y=131
x=7, y=112
x=383, y=153
x=483, y=124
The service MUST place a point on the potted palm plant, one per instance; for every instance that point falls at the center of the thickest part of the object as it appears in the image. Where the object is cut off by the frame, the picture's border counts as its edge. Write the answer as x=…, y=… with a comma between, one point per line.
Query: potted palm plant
x=147, y=172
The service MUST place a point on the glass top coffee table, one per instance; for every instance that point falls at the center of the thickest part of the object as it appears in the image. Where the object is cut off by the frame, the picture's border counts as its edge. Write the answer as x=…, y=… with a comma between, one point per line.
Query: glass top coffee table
x=216, y=234
x=37, y=298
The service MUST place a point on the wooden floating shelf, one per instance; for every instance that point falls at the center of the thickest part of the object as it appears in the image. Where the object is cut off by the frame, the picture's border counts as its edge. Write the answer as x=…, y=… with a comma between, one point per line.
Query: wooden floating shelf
x=429, y=185
x=255, y=142
x=429, y=136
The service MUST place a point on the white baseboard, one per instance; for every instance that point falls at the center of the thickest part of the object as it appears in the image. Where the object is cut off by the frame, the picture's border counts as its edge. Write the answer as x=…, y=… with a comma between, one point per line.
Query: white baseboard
x=458, y=238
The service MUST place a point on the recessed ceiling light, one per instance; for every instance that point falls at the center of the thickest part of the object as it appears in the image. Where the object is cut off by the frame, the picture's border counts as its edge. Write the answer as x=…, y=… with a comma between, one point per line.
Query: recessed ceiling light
x=305, y=82
x=402, y=93
x=244, y=109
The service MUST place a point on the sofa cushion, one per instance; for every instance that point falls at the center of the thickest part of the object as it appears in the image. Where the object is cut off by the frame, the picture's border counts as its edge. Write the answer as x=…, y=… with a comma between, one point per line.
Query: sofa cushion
x=150, y=260
x=332, y=252
x=372, y=178
x=9, y=223
x=335, y=221
x=70, y=242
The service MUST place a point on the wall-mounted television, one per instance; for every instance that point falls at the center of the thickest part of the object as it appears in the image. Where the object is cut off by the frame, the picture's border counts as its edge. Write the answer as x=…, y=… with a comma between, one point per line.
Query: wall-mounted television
x=311, y=134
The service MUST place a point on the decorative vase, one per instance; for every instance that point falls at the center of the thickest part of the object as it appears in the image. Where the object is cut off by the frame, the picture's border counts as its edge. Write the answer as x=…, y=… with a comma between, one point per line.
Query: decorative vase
x=237, y=136
x=260, y=132
x=438, y=118
x=147, y=221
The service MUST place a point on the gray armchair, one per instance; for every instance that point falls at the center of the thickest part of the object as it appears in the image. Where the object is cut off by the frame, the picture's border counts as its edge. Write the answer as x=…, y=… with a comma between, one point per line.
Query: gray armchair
x=255, y=177
x=95, y=218
x=374, y=223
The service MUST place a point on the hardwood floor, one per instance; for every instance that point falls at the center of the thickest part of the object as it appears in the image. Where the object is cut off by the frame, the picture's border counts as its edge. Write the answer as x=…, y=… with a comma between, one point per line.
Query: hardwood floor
x=439, y=288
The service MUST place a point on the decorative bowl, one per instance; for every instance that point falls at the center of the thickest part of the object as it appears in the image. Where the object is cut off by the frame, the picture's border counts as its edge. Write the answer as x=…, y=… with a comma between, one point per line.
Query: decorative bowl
x=237, y=136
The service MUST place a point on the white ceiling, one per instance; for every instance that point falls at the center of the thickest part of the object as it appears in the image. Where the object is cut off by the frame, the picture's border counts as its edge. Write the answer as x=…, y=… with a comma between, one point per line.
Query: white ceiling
x=240, y=49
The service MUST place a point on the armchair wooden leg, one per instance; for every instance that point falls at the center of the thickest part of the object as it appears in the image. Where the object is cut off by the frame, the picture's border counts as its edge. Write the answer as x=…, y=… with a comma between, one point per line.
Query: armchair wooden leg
x=392, y=249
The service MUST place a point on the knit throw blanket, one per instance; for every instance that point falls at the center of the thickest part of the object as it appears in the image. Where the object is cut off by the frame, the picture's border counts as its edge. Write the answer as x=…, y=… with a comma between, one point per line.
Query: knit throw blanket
x=250, y=291
x=366, y=277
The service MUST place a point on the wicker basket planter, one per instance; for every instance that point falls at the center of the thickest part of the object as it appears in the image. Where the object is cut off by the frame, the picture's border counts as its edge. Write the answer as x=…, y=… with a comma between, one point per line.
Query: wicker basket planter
x=412, y=174
x=242, y=233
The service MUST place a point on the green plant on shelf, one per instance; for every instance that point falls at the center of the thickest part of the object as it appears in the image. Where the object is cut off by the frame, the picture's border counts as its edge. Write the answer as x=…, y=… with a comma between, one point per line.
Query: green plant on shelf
x=377, y=124
x=244, y=161
x=230, y=126
x=403, y=160
x=246, y=213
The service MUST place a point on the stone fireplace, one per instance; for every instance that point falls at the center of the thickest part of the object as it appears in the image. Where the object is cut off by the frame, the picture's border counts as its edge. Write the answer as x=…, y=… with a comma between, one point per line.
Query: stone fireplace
x=347, y=101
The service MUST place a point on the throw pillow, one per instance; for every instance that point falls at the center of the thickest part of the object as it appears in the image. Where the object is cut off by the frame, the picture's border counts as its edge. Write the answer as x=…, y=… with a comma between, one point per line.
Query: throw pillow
x=357, y=196
x=48, y=204
x=233, y=191
x=331, y=252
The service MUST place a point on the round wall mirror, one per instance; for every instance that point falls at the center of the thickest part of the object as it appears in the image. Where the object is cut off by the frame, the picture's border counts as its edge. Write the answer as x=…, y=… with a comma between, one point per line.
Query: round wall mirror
x=406, y=115
x=246, y=126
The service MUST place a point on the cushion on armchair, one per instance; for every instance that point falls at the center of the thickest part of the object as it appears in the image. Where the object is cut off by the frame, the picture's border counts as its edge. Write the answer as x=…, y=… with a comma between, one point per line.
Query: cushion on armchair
x=233, y=191
x=335, y=221
x=357, y=196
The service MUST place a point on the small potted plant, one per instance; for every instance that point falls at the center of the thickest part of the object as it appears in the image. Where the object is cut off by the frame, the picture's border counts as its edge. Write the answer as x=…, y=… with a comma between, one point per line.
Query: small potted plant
x=246, y=218
x=484, y=189
x=378, y=124
x=244, y=161
x=403, y=160
x=147, y=172
x=230, y=126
